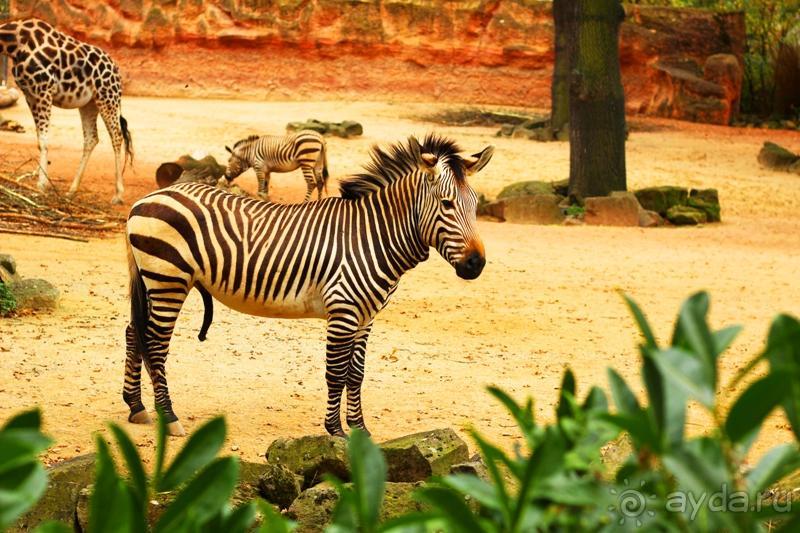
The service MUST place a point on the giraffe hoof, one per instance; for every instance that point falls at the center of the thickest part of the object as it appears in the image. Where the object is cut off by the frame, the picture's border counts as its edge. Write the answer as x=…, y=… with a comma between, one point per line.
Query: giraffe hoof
x=116, y=201
x=142, y=417
x=175, y=429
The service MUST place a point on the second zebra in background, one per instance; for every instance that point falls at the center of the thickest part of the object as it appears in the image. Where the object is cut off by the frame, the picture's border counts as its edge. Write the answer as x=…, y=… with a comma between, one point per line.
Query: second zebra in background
x=268, y=153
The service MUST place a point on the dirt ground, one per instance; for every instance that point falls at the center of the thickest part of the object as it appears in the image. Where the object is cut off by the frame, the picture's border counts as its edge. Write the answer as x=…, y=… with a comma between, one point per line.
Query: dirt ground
x=547, y=300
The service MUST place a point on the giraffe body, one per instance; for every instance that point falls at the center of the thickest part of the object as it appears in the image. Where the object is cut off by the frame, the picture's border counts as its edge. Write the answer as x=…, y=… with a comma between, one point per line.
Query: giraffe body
x=54, y=69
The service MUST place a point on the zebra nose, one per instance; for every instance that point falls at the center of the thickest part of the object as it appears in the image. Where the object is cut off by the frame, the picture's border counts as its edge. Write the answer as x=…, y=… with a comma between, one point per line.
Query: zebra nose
x=471, y=267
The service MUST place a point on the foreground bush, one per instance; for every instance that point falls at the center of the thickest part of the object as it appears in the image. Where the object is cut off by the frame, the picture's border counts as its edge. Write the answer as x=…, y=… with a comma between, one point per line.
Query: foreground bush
x=556, y=480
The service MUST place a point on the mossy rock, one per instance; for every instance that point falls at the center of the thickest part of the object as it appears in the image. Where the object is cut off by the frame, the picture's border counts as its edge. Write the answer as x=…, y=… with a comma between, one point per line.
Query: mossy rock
x=422, y=455
x=661, y=199
x=311, y=457
x=525, y=188
x=683, y=215
x=711, y=210
x=34, y=295
x=777, y=157
x=279, y=485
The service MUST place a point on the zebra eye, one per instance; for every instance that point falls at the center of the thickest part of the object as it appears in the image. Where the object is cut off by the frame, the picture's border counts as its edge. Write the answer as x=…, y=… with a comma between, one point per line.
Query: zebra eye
x=447, y=204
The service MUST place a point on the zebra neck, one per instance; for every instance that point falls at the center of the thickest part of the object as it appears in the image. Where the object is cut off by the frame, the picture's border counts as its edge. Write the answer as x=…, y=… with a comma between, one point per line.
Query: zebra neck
x=394, y=213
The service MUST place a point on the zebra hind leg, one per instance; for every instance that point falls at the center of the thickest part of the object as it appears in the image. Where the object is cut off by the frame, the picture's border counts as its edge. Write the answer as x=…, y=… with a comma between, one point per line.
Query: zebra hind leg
x=132, y=388
x=341, y=334
x=166, y=305
x=355, y=377
x=311, y=182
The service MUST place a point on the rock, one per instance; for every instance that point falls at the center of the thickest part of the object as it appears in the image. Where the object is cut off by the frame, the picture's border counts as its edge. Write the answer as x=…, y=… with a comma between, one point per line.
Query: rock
x=65, y=481
x=188, y=169
x=707, y=195
x=34, y=294
x=345, y=129
x=619, y=209
x=422, y=455
x=706, y=200
x=8, y=96
x=535, y=209
x=777, y=157
x=8, y=269
x=311, y=457
x=279, y=485
x=687, y=96
x=683, y=215
x=725, y=71
x=525, y=188
x=314, y=507
x=561, y=187
x=473, y=468
x=660, y=199
x=649, y=219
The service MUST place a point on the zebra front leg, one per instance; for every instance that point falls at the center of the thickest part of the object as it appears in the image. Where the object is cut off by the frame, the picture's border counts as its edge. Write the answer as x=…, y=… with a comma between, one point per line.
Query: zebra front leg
x=311, y=182
x=341, y=336
x=355, y=377
x=132, y=387
x=263, y=183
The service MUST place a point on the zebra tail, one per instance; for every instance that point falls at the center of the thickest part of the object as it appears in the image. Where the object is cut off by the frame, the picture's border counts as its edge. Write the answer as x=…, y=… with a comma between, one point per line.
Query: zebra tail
x=208, y=314
x=140, y=306
x=126, y=137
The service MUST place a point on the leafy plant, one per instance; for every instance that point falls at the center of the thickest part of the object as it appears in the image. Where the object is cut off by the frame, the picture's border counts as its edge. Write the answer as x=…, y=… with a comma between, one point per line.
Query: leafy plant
x=575, y=211
x=8, y=303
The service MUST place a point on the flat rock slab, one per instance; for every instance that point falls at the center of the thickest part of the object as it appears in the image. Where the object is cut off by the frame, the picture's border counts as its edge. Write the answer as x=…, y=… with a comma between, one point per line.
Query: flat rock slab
x=530, y=209
x=619, y=209
x=419, y=456
x=311, y=457
x=34, y=295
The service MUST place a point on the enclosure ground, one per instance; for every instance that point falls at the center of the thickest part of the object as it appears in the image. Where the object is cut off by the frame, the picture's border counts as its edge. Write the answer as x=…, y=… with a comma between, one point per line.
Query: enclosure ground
x=548, y=298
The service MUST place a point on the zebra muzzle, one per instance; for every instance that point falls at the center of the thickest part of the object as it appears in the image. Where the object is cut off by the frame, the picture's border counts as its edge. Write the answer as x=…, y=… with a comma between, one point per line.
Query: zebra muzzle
x=471, y=266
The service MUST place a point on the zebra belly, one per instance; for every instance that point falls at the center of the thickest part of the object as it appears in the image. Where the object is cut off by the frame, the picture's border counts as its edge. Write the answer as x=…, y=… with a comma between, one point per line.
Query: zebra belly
x=308, y=304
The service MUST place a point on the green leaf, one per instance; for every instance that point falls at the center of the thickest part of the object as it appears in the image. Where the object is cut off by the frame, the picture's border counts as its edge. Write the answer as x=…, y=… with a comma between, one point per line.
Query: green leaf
x=491, y=456
x=413, y=522
x=241, y=519
x=20, y=488
x=693, y=335
x=111, y=507
x=725, y=337
x=453, y=509
x=687, y=373
x=273, y=522
x=201, y=448
x=475, y=488
x=203, y=497
x=522, y=415
x=53, y=527
x=20, y=446
x=754, y=405
x=161, y=446
x=641, y=321
x=31, y=419
x=596, y=401
x=368, y=475
x=783, y=352
x=567, y=387
x=624, y=399
x=774, y=466
x=133, y=462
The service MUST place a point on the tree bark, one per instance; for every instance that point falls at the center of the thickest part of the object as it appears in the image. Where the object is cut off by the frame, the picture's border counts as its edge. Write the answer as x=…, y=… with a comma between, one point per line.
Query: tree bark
x=559, y=88
x=597, y=101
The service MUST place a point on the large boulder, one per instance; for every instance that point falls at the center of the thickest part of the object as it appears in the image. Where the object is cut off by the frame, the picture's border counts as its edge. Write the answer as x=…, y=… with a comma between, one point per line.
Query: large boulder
x=34, y=294
x=660, y=199
x=64, y=483
x=525, y=188
x=777, y=157
x=422, y=455
x=311, y=457
x=279, y=485
x=314, y=507
x=683, y=215
x=534, y=209
x=618, y=209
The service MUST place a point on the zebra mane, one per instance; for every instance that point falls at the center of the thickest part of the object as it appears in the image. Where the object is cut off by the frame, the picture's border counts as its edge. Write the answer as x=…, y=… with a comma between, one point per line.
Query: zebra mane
x=399, y=160
x=248, y=139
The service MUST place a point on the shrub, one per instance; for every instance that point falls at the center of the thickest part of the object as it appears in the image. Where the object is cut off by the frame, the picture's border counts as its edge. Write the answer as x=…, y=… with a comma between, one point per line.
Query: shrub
x=8, y=304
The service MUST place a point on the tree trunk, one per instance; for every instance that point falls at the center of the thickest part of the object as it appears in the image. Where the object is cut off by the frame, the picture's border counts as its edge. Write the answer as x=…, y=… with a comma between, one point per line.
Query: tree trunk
x=597, y=101
x=559, y=88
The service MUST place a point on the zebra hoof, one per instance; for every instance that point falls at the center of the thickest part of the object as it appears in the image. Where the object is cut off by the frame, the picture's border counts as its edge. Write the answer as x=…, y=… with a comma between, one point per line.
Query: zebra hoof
x=142, y=417
x=175, y=429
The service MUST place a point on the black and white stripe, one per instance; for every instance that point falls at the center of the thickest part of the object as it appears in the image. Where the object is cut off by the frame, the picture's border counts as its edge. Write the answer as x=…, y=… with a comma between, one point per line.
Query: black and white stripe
x=304, y=150
x=338, y=259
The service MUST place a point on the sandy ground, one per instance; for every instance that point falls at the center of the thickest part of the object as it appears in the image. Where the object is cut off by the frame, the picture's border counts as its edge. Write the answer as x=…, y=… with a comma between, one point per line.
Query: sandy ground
x=547, y=300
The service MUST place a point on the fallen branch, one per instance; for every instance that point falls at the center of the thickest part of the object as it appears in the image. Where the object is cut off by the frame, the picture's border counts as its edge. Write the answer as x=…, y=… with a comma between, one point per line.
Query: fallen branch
x=43, y=234
x=102, y=226
x=12, y=194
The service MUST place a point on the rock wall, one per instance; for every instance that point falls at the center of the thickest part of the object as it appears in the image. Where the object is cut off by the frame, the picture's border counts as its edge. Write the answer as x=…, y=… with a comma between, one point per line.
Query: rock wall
x=477, y=51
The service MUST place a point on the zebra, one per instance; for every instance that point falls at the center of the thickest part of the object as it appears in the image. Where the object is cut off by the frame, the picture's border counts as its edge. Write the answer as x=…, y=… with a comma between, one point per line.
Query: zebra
x=338, y=259
x=269, y=153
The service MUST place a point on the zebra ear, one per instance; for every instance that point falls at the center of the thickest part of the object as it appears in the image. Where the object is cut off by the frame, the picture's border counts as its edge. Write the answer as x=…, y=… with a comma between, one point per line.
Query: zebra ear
x=475, y=162
x=228, y=148
x=428, y=159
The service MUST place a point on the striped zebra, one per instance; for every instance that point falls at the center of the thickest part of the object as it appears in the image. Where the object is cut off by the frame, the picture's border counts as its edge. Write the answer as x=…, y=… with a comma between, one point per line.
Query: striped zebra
x=268, y=153
x=339, y=259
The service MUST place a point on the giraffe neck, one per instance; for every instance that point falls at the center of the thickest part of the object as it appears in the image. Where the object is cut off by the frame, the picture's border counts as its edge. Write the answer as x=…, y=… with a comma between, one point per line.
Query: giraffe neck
x=8, y=39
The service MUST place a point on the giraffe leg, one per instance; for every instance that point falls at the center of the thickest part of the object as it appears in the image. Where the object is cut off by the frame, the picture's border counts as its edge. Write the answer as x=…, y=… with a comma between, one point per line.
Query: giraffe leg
x=90, y=140
x=355, y=377
x=308, y=175
x=41, y=107
x=110, y=112
x=165, y=306
x=341, y=335
x=132, y=387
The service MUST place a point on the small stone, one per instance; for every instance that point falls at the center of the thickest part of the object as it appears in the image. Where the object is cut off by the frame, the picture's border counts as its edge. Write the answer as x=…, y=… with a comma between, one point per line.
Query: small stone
x=311, y=457
x=649, y=219
x=234, y=448
x=682, y=215
x=422, y=455
x=279, y=485
x=34, y=295
x=776, y=157
x=473, y=468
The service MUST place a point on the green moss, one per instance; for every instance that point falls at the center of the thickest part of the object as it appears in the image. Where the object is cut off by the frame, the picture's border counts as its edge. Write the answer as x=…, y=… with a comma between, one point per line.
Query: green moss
x=8, y=304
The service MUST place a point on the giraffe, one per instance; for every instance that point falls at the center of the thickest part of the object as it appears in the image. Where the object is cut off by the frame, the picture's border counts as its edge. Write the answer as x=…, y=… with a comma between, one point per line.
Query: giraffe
x=54, y=69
